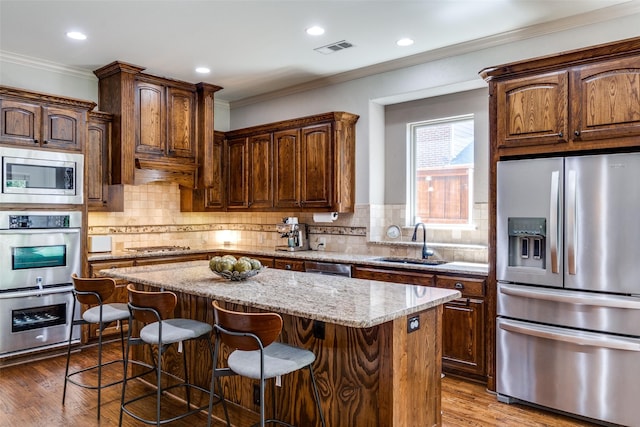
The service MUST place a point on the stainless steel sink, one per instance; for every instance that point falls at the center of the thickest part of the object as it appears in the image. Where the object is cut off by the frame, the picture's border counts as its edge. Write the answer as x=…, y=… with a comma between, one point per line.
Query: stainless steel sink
x=417, y=261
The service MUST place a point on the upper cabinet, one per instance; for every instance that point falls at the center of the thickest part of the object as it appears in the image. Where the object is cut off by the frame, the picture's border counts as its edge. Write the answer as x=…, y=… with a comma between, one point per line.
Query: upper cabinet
x=41, y=120
x=161, y=126
x=306, y=163
x=580, y=100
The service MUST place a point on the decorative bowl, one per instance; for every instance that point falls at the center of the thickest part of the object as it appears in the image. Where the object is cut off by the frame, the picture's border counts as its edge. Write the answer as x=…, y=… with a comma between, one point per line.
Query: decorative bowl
x=236, y=275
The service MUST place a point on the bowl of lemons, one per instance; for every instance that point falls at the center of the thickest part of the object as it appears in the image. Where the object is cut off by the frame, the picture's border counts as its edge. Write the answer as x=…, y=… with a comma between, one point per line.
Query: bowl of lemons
x=232, y=268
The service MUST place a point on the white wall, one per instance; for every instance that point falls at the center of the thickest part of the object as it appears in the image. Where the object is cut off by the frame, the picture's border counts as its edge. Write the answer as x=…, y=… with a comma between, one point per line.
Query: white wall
x=437, y=77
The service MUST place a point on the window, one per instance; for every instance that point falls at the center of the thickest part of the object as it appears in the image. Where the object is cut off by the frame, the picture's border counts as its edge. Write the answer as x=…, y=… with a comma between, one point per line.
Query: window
x=441, y=170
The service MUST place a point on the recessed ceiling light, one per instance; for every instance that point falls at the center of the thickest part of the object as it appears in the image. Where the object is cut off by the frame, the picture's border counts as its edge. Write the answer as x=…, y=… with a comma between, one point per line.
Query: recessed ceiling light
x=315, y=31
x=76, y=35
x=404, y=42
x=203, y=70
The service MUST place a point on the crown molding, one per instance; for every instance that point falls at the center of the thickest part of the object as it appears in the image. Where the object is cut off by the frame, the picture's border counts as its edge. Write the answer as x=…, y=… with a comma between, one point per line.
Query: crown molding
x=42, y=64
x=601, y=15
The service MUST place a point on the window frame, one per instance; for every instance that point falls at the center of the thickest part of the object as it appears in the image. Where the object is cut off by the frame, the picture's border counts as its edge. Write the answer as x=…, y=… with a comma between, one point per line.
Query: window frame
x=411, y=205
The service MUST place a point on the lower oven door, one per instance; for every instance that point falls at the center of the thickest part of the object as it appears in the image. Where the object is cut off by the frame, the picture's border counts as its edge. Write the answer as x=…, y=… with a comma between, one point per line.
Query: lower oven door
x=32, y=321
x=584, y=373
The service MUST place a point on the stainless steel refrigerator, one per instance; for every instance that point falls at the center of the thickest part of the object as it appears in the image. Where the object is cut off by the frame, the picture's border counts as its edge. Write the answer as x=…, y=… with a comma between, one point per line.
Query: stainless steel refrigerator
x=568, y=270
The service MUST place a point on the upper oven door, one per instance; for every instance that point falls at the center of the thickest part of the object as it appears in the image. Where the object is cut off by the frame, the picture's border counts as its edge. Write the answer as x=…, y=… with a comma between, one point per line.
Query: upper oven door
x=38, y=258
x=38, y=176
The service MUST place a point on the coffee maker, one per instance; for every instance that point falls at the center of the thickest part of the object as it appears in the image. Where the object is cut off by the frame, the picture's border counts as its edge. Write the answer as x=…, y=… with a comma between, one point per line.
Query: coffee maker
x=295, y=233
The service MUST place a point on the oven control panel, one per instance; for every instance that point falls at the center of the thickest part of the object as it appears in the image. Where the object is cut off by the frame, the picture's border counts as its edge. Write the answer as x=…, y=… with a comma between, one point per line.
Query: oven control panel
x=38, y=221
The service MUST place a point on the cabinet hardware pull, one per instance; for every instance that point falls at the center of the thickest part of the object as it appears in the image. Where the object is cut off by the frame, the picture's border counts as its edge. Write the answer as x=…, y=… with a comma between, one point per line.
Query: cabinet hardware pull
x=287, y=267
x=560, y=134
x=35, y=141
x=576, y=133
x=45, y=142
x=458, y=285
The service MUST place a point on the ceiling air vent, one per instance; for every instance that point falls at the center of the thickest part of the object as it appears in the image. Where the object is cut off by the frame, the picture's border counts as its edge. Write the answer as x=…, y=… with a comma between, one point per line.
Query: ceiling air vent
x=334, y=47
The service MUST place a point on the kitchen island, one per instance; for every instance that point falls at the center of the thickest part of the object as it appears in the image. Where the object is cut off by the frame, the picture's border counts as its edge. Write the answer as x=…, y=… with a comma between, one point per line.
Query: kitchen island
x=371, y=370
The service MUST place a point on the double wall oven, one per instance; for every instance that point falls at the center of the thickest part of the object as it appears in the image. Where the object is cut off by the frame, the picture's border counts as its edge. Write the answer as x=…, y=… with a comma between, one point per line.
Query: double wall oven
x=40, y=251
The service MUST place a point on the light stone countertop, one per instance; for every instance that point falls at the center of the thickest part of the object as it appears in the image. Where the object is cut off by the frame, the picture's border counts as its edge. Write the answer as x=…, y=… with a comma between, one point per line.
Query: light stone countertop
x=322, y=256
x=344, y=301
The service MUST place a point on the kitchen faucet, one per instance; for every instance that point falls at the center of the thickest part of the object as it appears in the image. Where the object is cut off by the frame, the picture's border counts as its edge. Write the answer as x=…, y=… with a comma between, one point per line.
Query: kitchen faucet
x=426, y=253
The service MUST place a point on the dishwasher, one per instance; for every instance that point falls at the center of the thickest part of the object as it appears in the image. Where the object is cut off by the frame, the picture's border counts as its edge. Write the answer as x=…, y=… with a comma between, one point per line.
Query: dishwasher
x=329, y=268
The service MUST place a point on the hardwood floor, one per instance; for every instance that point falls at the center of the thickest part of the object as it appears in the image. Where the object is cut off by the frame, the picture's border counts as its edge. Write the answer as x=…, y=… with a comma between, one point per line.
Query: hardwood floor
x=31, y=395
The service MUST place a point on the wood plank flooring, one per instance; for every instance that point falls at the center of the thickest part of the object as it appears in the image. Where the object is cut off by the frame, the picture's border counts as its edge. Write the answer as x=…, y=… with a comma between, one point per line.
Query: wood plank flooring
x=31, y=395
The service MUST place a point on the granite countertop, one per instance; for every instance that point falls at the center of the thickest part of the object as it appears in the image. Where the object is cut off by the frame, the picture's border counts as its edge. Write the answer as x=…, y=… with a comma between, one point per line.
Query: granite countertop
x=322, y=256
x=344, y=301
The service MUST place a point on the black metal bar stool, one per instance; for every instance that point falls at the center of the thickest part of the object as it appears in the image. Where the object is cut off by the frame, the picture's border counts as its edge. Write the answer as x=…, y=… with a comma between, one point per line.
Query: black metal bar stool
x=93, y=292
x=256, y=355
x=154, y=310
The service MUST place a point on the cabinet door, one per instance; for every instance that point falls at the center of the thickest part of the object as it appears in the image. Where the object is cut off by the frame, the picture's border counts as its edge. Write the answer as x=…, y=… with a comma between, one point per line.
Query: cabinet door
x=215, y=188
x=20, y=122
x=149, y=118
x=463, y=336
x=286, y=164
x=533, y=110
x=288, y=264
x=259, y=171
x=606, y=101
x=63, y=128
x=316, y=166
x=237, y=175
x=181, y=115
x=98, y=160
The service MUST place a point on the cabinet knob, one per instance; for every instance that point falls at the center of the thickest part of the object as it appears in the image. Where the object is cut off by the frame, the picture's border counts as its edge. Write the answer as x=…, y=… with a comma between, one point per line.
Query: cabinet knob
x=560, y=134
x=35, y=141
x=287, y=267
x=458, y=285
x=45, y=142
x=576, y=133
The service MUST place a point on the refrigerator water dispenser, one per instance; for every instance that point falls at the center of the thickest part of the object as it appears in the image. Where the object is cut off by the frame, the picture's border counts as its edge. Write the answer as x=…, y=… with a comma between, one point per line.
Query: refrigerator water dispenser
x=527, y=242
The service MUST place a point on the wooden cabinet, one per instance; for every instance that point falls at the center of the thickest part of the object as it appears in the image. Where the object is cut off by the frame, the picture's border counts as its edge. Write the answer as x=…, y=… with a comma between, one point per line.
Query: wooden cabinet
x=215, y=189
x=161, y=125
x=464, y=345
x=316, y=167
x=237, y=160
x=44, y=121
x=306, y=163
x=288, y=264
x=533, y=110
x=101, y=196
x=463, y=336
x=580, y=100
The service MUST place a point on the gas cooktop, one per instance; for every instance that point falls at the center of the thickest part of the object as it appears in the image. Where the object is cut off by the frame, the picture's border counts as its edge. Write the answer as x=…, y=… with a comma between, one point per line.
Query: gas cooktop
x=158, y=249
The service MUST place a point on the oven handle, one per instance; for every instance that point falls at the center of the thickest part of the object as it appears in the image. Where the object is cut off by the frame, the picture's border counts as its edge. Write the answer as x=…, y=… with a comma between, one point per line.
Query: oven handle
x=36, y=292
x=40, y=231
x=578, y=298
x=580, y=338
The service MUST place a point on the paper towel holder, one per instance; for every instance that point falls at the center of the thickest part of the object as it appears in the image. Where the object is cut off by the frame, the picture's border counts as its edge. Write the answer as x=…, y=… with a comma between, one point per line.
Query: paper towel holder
x=325, y=216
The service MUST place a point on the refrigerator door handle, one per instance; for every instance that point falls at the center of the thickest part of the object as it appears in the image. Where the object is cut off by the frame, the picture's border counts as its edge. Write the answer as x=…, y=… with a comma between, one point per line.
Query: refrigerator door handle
x=577, y=298
x=571, y=222
x=553, y=220
x=574, y=337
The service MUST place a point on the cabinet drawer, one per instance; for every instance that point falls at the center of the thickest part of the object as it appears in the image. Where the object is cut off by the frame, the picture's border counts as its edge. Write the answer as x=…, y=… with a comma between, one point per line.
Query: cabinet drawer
x=468, y=287
x=288, y=264
x=386, y=275
x=95, y=267
x=169, y=259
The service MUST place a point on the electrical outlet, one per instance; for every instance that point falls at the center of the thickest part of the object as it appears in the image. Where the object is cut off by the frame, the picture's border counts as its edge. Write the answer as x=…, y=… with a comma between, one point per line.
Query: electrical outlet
x=256, y=394
x=318, y=329
x=413, y=324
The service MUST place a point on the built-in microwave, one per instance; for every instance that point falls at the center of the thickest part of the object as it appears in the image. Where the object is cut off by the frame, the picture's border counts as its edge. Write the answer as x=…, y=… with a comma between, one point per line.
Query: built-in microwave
x=41, y=176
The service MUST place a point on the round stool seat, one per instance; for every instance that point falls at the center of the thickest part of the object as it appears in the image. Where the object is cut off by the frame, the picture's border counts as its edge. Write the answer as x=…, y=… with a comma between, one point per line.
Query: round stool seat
x=174, y=330
x=279, y=359
x=110, y=313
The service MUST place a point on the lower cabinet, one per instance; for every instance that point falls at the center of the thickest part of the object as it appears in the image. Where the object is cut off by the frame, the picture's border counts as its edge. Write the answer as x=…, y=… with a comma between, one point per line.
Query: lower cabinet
x=463, y=321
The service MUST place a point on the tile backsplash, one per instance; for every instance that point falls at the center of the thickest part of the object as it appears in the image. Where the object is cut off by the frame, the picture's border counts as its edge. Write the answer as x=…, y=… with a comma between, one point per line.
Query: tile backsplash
x=152, y=217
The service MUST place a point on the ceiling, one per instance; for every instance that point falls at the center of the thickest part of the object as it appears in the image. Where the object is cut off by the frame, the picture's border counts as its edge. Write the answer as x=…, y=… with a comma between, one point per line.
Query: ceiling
x=257, y=47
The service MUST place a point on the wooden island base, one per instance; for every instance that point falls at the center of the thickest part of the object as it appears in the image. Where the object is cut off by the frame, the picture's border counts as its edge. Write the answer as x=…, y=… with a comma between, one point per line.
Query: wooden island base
x=367, y=377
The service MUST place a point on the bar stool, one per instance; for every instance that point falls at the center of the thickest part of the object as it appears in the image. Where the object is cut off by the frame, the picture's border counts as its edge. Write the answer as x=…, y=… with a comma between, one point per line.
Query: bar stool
x=94, y=291
x=256, y=355
x=154, y=311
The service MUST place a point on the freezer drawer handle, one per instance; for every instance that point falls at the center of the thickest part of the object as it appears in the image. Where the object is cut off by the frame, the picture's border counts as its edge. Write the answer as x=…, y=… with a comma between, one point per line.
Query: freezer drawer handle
x=581, y=338
x=554, y=296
